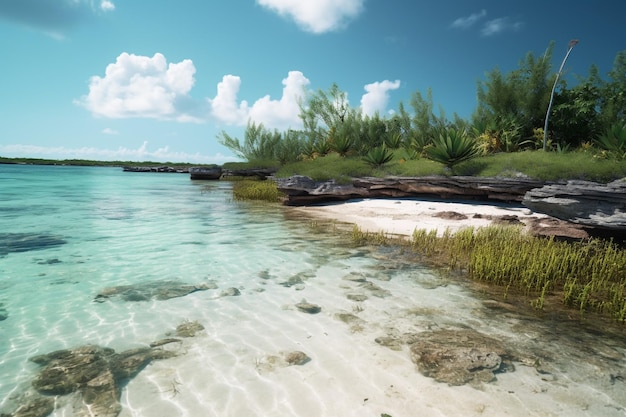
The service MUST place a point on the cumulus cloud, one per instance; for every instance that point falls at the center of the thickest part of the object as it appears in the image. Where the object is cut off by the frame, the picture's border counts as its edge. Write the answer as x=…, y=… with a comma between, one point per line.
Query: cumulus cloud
x=224, y=106
x=376, y=97
x=140, y=86
x=142, y=153
x=469, y=21
x=316, y=16
x=276, y=114
x=501, y=24
x=282, y=113
x=52, y=16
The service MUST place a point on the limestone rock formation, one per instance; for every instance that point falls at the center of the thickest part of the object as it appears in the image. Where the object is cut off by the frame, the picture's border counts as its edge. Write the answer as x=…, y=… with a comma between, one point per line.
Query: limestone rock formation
x=582, y=202
x=301, y=190
x=458, y=357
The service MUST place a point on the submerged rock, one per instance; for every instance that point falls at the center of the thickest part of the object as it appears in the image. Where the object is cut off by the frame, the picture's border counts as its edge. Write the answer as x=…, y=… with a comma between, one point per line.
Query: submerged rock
x=458, y=357
x=296, y=358
x=4, y=314
x=24, y=242
x=230, y=292
x=95, y=374
x=307, y=307
x=159, y=290
x=188, y=329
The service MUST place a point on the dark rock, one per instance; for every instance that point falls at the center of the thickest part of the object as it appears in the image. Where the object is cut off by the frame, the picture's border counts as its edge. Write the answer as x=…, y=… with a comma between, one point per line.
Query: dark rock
x=159, y=290
x=582, y=202
x=24, y=242
x=4, y=314
x=356, y=297
x=165, y=341
x=189, y=329
x=458, y=357
x=38, y=407
x=307, y=307
x=300, y=190
x=205, y=173
x=230, y=292
x=296, y=358
x=450, y=215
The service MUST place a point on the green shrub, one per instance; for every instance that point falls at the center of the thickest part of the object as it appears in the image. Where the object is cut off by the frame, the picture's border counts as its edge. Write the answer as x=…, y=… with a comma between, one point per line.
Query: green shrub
x=452, y=147
x=613, y=140
x=378, y=156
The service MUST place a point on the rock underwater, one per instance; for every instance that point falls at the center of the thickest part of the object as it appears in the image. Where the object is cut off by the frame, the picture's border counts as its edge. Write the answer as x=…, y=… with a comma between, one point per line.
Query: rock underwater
x=89, y=378
x=159, y=290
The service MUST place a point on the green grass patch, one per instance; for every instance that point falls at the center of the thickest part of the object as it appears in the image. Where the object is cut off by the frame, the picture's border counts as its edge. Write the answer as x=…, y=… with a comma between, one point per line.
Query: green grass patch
x=246, y=189
x=587, y=276
x=547, y=166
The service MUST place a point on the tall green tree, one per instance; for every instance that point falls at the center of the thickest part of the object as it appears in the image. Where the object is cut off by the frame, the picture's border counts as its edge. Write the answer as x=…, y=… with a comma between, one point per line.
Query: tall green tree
x=521, y=95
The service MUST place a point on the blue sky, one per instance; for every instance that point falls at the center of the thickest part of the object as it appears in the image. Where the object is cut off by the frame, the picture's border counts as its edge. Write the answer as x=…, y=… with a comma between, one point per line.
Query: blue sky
x=158, y=80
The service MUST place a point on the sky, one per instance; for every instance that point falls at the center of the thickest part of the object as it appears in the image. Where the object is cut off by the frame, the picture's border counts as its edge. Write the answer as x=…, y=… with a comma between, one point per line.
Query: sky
x=159, y=80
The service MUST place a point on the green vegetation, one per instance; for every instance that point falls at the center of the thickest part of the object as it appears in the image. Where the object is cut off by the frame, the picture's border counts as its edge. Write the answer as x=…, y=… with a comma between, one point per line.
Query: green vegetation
x=586, y=276
x=256, y=190
x=511, y=116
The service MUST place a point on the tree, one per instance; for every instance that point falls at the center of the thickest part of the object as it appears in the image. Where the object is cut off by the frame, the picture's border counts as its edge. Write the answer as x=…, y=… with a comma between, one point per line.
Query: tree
x=519, y=96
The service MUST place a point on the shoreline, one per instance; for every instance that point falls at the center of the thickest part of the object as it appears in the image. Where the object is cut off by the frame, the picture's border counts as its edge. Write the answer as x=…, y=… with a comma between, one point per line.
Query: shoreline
x=402, y=216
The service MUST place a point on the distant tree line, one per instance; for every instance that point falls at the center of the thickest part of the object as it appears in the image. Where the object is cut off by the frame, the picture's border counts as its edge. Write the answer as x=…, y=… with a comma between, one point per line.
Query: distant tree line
x=509, y=117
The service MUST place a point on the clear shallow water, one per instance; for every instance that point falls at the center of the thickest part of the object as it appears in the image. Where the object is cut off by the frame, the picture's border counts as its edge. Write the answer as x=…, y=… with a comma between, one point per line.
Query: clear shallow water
x=80, y=230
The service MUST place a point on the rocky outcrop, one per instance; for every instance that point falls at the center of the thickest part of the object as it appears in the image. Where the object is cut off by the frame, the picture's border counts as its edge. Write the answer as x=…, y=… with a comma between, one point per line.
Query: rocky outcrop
x=159, y=290
x=458, y=357
x=94, y=374
x=301, y=190
x=586, y=203
x=90, y=378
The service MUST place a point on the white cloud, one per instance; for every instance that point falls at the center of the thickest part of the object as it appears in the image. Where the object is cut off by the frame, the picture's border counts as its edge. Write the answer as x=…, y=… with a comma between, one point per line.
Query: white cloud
x=109, y=131
x=500, y=24
x=317, y=16
x=140, y=86
x=142, y=153
x=468, y=21
x=377, y=96
x=282, y=113
x=107, y=5
x=224, y=106
x=274, y=114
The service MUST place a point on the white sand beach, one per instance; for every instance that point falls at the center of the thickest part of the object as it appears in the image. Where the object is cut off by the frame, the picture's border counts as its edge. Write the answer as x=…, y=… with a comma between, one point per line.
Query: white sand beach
x=403, y=216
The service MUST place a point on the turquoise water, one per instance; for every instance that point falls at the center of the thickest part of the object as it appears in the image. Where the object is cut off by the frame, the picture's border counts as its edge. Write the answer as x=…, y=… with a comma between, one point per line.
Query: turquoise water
x=66, y=233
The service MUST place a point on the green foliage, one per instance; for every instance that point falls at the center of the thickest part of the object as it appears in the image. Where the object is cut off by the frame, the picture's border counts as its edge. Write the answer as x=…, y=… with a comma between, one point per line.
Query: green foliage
x=256, y=190
x=331, y=166
x=452, y=147
x=549, y=166
x=259, y=143
x=378, y=157
x=613, y=141
x=521, y=95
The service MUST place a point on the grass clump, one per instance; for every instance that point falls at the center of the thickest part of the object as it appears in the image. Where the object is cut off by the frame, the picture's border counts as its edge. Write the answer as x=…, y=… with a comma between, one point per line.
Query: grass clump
x=247, y=189
x=587, y=276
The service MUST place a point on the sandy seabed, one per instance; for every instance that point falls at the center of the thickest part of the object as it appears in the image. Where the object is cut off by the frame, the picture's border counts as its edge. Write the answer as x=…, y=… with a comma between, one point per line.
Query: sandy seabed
x=235, y=366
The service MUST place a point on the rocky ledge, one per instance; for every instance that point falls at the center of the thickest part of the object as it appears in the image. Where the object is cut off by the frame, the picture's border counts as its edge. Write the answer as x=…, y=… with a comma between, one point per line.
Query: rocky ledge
x=590, y=204
x=577, y=208
x=301, y=190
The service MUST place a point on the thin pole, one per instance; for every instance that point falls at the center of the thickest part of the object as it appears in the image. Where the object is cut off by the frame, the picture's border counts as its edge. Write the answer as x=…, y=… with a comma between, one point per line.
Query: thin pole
x=571, y=46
